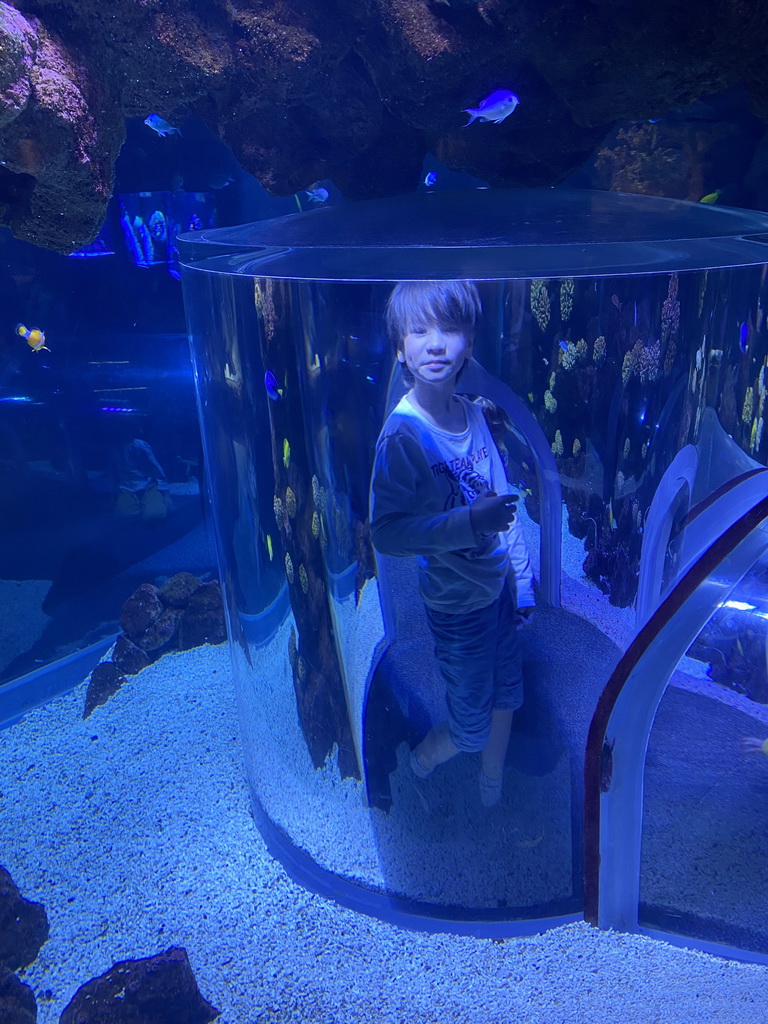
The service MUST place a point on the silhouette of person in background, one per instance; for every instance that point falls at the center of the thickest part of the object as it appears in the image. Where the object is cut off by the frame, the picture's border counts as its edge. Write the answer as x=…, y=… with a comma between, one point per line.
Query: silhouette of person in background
x=142, y=485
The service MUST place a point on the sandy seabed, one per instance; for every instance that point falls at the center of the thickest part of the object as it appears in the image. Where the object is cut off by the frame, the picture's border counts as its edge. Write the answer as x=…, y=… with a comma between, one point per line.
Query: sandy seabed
x=133, y=829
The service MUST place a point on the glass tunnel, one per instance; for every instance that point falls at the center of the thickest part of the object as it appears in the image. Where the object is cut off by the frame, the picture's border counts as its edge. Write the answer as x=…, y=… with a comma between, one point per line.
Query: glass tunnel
x=620, y=360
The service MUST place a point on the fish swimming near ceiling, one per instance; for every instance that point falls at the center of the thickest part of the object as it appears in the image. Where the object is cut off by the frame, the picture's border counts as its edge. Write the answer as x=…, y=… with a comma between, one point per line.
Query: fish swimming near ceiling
x=495, y=107
x=317, y=195
x=34, y=337
x=160, y=125
x=286, y=453
x=430, y=179
x=711, y=197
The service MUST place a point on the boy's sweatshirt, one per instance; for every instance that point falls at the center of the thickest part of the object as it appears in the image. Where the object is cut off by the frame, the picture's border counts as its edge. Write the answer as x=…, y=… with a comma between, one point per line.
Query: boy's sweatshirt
x=424, y=481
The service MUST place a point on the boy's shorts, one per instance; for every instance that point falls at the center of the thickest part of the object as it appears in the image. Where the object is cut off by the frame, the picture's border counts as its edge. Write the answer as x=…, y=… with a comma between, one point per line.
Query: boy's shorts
x=481, y=662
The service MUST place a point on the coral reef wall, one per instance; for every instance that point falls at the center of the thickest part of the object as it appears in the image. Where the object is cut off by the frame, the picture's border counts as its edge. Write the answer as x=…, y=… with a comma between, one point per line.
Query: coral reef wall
x=354, y=90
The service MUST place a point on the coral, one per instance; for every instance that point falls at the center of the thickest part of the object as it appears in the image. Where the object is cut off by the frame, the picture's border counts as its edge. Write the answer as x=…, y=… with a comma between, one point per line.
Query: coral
x=598, y=352
x=550, y=402
x=647, y=361
x=303, y=579
x=290, y=503
x=318, y=494
x=540, y=303
x=315, y=525
x=627, y=366
x=702, y=290
x=669, y=357
x=670, y=311
x=566, y=299
x=568, y=357
x=277, y=507
x=552, y=379
x=643, y=361
x=626, y=448
x=557, y=444
x=749, y=406
x=289, y=568
x=301, y=669
x=582, y=351
x=756, y=434
x=263, y=297
x=576, y=446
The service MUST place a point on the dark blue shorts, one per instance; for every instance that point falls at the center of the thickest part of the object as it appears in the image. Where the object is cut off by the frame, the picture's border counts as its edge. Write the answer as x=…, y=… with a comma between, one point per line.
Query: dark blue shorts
x=480, y=659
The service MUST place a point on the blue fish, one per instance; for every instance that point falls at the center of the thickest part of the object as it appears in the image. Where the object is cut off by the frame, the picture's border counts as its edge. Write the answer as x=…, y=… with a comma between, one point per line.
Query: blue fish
x=495, y=107
x=159, y=125
x=744, y=336
x=564, y=346
x=317, y=195
x=270, y=383
x=430, y=179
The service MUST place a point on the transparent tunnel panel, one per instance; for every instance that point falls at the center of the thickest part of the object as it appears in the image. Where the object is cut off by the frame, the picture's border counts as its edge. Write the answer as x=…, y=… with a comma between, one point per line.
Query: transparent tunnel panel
x=704, y=859
x=602, y=370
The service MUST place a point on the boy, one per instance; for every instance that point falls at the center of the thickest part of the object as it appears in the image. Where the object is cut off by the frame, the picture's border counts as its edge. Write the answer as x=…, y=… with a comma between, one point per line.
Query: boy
x=439, y=491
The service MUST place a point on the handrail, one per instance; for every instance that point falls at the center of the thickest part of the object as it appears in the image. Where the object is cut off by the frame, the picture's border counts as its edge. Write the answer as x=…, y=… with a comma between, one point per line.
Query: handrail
x=620, y=728
x=704, y=523
x=658, y=525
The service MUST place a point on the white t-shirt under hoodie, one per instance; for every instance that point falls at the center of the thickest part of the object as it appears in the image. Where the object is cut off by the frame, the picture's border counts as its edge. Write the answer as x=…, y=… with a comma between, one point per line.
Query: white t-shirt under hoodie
x=424, y=481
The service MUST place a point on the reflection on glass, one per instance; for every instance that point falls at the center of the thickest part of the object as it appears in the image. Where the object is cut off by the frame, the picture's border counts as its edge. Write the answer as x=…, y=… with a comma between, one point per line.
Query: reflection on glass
x=440, y=493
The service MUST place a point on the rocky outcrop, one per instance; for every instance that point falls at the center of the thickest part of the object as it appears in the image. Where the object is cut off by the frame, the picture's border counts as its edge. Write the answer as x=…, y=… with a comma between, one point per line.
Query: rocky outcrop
x=17, y=1000
x=184, y=613
x=23, y=926
x=159, y=989
x=354, y=90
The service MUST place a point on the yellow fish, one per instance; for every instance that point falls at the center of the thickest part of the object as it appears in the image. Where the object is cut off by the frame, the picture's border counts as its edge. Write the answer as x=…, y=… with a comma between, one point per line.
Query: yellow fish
x=711, y=197
x=269, y=547
x=286, y=453
x=531, y=397
x=611, y=520
x=35, y=338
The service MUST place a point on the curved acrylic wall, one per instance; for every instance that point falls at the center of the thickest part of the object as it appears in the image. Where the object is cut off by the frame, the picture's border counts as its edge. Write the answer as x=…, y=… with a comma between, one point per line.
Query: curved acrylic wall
x=633, y=378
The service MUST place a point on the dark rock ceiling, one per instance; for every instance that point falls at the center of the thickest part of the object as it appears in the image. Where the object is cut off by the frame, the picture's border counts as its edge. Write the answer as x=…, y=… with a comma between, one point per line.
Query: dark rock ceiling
x=353, y=90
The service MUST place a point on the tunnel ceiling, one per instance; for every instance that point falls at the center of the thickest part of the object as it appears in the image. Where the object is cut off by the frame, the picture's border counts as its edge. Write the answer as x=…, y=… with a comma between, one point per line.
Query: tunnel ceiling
x=353, y=90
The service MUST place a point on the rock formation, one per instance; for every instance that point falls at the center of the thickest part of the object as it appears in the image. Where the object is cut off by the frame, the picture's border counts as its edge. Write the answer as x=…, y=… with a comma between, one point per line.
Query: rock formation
x=353, y=90
x=158, y=989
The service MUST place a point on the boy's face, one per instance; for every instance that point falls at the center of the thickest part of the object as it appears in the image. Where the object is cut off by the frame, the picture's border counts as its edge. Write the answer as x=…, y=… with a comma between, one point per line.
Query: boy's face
x=434, y=355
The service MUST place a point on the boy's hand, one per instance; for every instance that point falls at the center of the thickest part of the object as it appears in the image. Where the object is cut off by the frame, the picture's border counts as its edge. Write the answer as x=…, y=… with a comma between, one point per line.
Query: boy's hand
x=524, y=617
x=492, y=513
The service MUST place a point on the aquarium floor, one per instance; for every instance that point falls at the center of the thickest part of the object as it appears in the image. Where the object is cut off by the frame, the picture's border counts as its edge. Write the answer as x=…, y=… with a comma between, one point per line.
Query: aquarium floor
x=133, y=829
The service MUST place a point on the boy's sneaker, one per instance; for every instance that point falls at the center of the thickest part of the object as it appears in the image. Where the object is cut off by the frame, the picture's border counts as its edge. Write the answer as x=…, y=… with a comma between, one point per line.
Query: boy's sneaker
x=417, y=767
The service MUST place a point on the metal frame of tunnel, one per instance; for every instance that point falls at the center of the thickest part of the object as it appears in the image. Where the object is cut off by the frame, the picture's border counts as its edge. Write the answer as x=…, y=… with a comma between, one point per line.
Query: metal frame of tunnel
x=621, y=726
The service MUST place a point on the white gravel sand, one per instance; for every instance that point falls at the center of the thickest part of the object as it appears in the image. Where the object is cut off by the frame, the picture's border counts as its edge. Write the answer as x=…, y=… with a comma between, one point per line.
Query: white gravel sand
x=133, y=829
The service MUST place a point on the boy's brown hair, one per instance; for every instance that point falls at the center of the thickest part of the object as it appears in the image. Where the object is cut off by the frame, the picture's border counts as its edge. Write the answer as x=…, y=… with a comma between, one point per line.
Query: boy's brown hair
x=449, y=305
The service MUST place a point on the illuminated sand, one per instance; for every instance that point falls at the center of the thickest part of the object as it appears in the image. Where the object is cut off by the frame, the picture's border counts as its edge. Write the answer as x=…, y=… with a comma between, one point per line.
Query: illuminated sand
x=133, y=829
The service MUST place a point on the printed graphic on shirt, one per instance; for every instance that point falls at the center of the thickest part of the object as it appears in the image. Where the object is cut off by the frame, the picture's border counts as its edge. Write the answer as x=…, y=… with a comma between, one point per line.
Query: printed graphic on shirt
x=464, y=480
